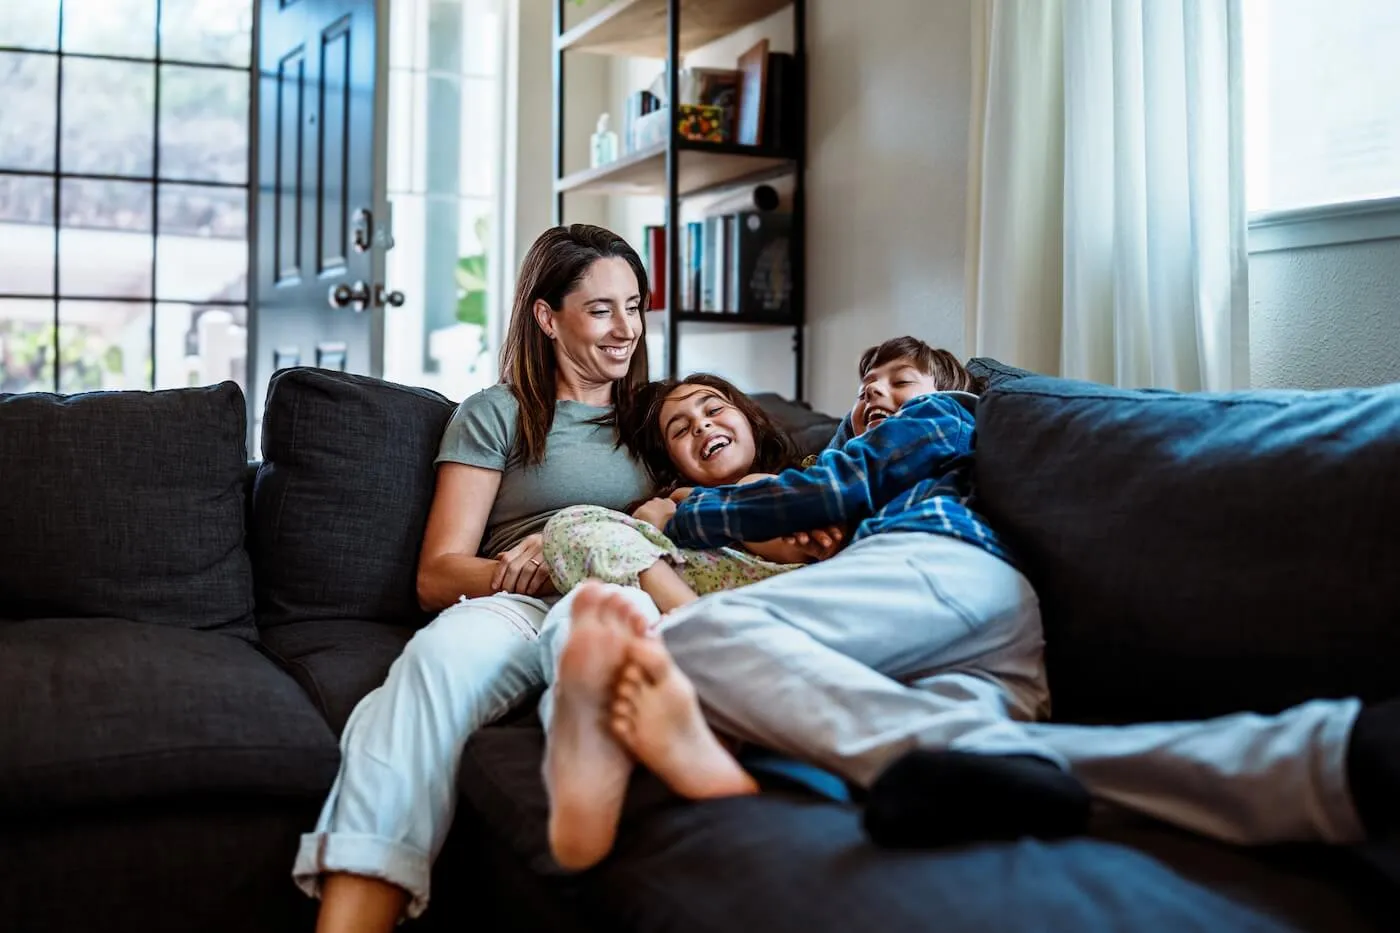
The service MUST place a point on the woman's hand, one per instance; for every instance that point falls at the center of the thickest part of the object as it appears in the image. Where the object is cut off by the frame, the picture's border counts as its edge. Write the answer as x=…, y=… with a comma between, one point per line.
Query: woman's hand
x=521, y=569
x=656, y=512
x=819, y=544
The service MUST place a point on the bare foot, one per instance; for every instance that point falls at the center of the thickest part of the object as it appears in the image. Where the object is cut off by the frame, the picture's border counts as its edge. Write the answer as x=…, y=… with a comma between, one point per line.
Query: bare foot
x=656, y=716
x=585, y=769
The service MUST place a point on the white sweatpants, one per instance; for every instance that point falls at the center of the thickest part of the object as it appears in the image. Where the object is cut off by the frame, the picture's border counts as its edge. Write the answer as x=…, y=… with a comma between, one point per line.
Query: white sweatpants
x=914, y=640
x=392, y=803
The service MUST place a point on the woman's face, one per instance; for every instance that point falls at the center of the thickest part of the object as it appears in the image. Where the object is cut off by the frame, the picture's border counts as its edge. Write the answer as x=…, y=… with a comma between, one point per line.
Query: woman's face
x=708, y=439
x=596, y=330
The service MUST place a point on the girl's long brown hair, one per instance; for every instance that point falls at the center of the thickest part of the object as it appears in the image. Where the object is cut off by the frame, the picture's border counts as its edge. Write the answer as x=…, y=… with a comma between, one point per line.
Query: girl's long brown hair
x=774, y=451
x=556, y=263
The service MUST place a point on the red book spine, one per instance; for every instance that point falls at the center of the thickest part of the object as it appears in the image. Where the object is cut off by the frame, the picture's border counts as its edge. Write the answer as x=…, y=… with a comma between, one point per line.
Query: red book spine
x=656, y=266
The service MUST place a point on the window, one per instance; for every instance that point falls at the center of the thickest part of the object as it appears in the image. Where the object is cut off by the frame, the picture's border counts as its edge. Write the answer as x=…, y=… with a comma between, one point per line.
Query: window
x=444, y=153
x=123, y=193
x=1322, y=127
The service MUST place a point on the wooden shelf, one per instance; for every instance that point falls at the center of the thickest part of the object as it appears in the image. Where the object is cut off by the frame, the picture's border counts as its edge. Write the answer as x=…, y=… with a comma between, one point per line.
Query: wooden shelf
x=726, y=317
x=638, y=27
x=704, y=168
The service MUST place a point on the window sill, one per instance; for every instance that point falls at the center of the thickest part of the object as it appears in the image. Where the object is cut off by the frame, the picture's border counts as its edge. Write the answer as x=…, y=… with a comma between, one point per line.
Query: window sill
x=1325, y=225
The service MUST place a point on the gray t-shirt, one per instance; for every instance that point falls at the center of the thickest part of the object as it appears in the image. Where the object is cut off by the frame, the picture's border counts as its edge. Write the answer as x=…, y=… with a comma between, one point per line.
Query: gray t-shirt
x=582, y=464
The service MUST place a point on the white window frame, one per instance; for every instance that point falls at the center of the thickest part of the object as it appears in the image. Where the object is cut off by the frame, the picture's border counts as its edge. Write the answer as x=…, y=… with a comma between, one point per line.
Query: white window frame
x=1324, y=225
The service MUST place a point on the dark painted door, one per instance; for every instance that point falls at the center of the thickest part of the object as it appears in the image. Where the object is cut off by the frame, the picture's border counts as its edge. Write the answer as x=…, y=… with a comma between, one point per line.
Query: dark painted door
x=318, y=248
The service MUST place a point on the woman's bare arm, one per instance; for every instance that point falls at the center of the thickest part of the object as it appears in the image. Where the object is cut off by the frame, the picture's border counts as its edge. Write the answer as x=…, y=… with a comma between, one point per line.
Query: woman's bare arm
x=447, y=564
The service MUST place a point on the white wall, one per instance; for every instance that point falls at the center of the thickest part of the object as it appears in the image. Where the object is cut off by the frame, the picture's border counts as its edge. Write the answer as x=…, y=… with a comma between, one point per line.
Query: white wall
x=886, y=185
x=1326, y=316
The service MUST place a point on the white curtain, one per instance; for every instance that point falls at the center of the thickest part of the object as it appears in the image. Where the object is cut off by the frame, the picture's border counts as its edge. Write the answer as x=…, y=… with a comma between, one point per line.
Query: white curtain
x=1106, y=218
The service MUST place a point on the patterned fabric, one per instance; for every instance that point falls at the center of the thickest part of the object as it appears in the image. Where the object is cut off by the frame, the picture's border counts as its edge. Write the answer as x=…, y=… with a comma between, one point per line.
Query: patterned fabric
x=589, y=541
x=911, y=472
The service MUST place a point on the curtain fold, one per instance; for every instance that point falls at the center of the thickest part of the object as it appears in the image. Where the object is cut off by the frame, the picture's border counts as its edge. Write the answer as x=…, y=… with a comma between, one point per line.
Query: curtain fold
x=1106, y=227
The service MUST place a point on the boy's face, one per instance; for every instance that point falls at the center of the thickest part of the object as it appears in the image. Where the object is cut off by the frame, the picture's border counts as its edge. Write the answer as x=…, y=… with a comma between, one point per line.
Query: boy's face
x=885, y=390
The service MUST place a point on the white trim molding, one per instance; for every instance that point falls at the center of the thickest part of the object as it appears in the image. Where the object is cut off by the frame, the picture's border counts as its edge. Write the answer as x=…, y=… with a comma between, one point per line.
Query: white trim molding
x=1324, y=225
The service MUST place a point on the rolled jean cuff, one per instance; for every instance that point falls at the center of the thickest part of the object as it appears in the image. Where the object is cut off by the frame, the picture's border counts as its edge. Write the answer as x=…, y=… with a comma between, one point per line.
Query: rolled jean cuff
x=367, y=856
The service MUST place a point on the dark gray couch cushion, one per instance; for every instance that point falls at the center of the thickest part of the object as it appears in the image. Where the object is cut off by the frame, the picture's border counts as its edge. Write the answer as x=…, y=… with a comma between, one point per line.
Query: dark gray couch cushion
x=810, y=430
x=994, y=372
x=342, y=497
x=786, y=862
x=127, y=505
x=102, y=711
x=336, y=661
x=1201, y=554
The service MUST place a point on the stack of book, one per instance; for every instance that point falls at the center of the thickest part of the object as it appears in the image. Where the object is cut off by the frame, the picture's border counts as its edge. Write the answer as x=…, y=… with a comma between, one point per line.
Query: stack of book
x=730, y=264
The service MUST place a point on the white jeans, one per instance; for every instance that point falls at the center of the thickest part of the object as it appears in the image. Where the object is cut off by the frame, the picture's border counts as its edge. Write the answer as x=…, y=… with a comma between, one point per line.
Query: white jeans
x=392, y=803
x=915, y=640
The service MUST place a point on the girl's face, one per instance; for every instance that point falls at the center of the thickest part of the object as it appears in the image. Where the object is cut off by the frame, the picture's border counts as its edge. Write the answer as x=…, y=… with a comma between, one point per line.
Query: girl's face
x=710, y=441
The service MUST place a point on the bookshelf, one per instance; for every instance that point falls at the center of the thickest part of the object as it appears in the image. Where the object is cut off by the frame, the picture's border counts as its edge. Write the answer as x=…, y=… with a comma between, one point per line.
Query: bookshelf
x=677, y=168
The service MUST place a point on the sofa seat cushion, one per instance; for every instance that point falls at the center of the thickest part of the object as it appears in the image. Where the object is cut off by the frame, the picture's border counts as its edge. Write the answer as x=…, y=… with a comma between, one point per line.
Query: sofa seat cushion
x=337, y=661
x=788, y=862
x=342, y=497
x=126, y=505
x=100, y=711
x=1201, y=554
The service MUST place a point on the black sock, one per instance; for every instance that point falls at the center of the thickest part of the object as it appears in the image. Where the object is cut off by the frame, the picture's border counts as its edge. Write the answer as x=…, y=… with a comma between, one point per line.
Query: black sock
x=931, y=798
x=1373, y=768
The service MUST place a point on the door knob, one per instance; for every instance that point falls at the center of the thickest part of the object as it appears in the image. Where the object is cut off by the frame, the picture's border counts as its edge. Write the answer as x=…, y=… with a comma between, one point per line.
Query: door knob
x=356, y=297
x=393, y=299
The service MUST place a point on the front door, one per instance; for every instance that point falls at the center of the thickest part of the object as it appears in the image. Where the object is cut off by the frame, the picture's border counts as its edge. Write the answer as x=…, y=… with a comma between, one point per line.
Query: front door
x=319, y=247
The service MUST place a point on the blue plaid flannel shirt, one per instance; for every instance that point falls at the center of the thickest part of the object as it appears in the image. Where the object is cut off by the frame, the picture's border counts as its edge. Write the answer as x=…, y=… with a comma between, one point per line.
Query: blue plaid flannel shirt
x=911, y=472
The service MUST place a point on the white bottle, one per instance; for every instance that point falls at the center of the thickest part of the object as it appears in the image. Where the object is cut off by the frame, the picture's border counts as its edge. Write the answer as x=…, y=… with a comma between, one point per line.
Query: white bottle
x=604, y=144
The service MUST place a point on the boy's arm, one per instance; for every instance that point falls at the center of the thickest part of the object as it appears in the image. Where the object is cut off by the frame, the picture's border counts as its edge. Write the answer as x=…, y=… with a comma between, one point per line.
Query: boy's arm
x=845, y=485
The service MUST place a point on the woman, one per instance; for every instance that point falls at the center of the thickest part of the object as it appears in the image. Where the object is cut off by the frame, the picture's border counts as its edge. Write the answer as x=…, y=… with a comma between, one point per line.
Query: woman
x=511, y=456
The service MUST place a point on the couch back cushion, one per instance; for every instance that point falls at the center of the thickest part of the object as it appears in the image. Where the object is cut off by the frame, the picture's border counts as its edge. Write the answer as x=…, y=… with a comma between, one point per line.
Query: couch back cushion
x=1200, y=554
x=342, y=497
x=127, y=505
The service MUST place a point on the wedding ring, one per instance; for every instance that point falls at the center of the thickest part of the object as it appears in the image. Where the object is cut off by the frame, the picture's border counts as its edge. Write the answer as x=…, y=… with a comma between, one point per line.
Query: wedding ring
x=535, y=561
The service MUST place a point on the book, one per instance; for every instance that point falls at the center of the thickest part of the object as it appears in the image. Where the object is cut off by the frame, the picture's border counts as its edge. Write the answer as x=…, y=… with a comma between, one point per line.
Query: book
x=781, y=111
x=690, y=278
x=753, y=65
x=655, y=238
x=762, y=258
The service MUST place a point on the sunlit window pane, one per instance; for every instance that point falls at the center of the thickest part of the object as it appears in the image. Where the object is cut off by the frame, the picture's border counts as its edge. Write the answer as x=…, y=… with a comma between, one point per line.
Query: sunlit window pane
x=109, y=27
x=202, y=252
x=29, y=89
x=201, y=345
x=103, y=345
x=29, y=24
x=214, y=31
x=203, y=124
x=26, y=235
x=1322, y=84
x=104, y=240
x=108, y=117
x=26, y=345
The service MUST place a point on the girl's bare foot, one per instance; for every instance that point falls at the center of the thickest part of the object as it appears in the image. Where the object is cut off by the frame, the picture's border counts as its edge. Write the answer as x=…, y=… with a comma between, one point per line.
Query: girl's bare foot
x=586, y=770
x=657, y=717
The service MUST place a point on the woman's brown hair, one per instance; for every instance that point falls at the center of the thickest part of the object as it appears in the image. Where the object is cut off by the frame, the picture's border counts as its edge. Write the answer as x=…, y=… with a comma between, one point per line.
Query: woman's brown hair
x=774, y=451
x=947, y=371
x=556, y=263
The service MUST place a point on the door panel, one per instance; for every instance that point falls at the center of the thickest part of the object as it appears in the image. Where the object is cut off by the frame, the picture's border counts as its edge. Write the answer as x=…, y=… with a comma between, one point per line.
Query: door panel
x=317, y=184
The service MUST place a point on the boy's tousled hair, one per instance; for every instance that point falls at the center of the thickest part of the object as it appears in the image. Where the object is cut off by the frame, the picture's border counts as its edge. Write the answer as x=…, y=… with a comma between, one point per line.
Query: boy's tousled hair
x=774, y=451
x=947, y=371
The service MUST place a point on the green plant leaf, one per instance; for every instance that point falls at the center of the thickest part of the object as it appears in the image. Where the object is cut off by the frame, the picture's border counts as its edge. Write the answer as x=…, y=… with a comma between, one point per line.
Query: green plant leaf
x=471, y=308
